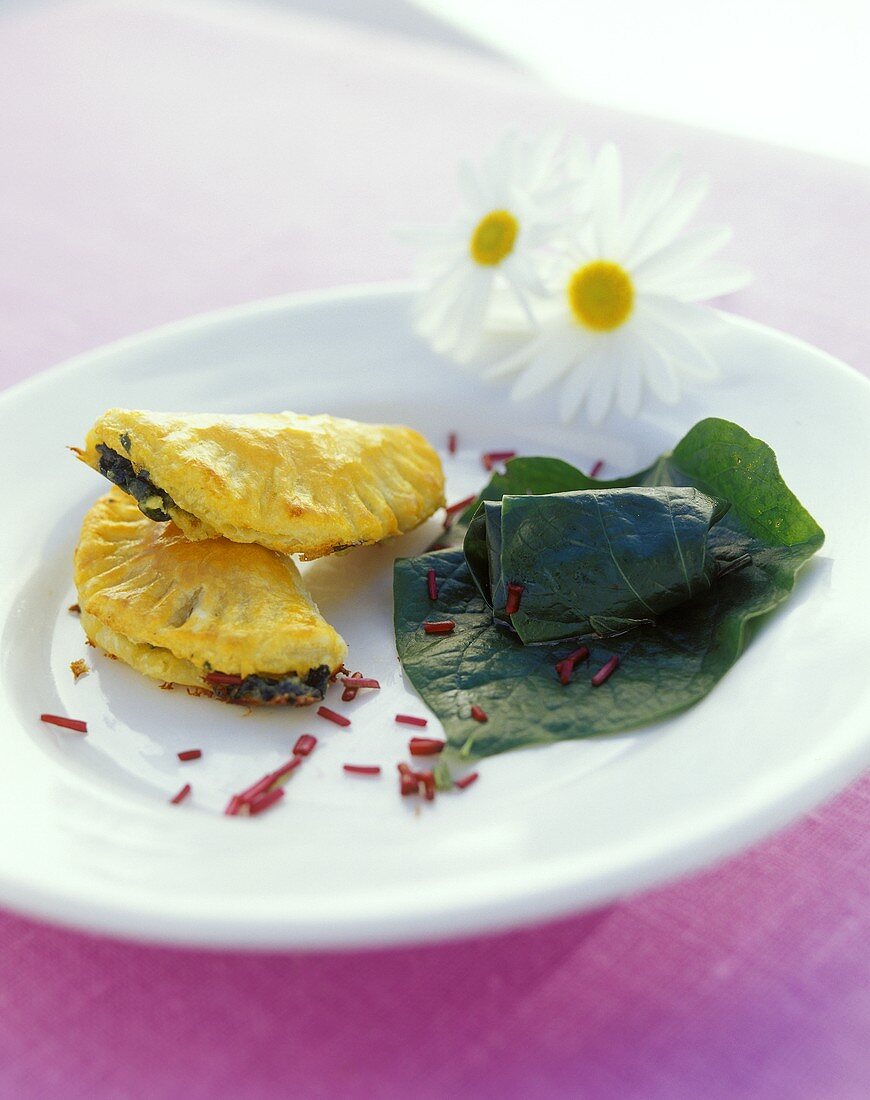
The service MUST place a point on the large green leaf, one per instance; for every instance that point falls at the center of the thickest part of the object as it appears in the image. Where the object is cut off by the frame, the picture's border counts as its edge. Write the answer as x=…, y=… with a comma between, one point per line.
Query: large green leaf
x=664, y=667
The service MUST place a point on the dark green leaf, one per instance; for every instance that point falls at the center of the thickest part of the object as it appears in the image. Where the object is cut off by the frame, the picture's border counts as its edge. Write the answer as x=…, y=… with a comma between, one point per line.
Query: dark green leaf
x=596, y=561
x=663, y=668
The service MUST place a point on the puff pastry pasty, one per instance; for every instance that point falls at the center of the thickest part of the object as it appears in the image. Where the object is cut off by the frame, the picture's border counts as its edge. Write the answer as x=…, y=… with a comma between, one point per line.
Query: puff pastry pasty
x=234, y=619
x=298, y=484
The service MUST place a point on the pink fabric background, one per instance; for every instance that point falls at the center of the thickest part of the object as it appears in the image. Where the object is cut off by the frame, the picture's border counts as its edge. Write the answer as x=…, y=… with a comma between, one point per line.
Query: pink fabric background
x=157, y=162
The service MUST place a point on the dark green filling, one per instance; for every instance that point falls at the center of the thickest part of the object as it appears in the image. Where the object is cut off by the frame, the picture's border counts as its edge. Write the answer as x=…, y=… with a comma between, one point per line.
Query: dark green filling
x=291, y=690
x=152, y=501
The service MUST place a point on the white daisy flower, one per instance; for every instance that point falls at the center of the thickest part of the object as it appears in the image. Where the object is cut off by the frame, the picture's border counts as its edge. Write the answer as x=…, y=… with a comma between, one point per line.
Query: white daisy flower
x=625, y=315
x=515, y=206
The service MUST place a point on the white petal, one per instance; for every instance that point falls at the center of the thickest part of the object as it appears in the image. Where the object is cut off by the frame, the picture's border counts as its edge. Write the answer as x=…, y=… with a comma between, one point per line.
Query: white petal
x=682, y=254
x=628, y=355
x=607, y=198
x=539, y=174
x=471, y=315
x=505, y=314
x=448, y=321
x=511, y=363
x=630, y=388
x=603, y=382
x=435, y=262
x=499, y=169
x=437, y=299
x=684, y=349
x=566, y=254
x=688, y=316
x=654, y=192
x=521, y=297
x=662, y=378
x=553, y=359
x=521, y=270
x=578, y=162
x=430, y=276
x=458, y=268
x=577, y=383
x=534, y=234
x=541, y=159
x=710, y=280
x=671, y=219
x=642, y=353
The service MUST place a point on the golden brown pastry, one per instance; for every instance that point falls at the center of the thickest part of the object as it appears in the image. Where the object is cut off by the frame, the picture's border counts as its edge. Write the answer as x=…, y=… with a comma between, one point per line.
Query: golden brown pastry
x=219, y=615
x=306, y=485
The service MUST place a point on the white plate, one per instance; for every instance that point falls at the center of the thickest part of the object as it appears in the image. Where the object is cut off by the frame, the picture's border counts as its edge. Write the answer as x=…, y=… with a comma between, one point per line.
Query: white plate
x=89, y=838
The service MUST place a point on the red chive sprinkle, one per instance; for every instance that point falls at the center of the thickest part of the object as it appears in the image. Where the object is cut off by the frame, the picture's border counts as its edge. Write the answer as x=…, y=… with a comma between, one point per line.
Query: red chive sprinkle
x=285, y=769
x=597, y=468
x=460, y=505
x=256, y=789
x=190, y=754
x=67, y=723
x=411, y=782
x=444, y=626
x=331, y=716
x=452, y=442
x=493, y=458
x=407, y=780
x=182, y=794
x=466, y=780
x=410, y=720
x=228, y=678
x=605, y=671
x=264, y=801
x=578, y=655
x=349, y=693
x=515, y=592
x=304, y=745
x=234, y=805
x=357, y=681
x=428, y=781
x=479, y=714
x=432, y=582
x=425, y=746
x=262, y=785
x=361, y=769
x=565, y=667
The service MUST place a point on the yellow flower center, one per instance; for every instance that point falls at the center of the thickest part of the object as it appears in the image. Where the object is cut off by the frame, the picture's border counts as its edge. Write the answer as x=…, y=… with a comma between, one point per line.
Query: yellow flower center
x=601, y=295
x=494, y=237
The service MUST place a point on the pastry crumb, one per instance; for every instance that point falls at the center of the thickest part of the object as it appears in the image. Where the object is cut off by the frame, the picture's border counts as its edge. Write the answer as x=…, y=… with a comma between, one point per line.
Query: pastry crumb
x=79, y=668
x=74, y=609
x=167, y=685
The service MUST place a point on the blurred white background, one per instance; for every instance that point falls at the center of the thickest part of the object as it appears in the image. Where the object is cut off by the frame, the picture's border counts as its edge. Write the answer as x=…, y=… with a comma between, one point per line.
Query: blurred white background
x=794, y=72
x=791, y=71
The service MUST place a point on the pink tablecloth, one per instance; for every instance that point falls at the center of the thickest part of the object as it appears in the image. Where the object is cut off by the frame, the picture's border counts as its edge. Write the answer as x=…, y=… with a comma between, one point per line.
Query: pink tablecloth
x=157, y=163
